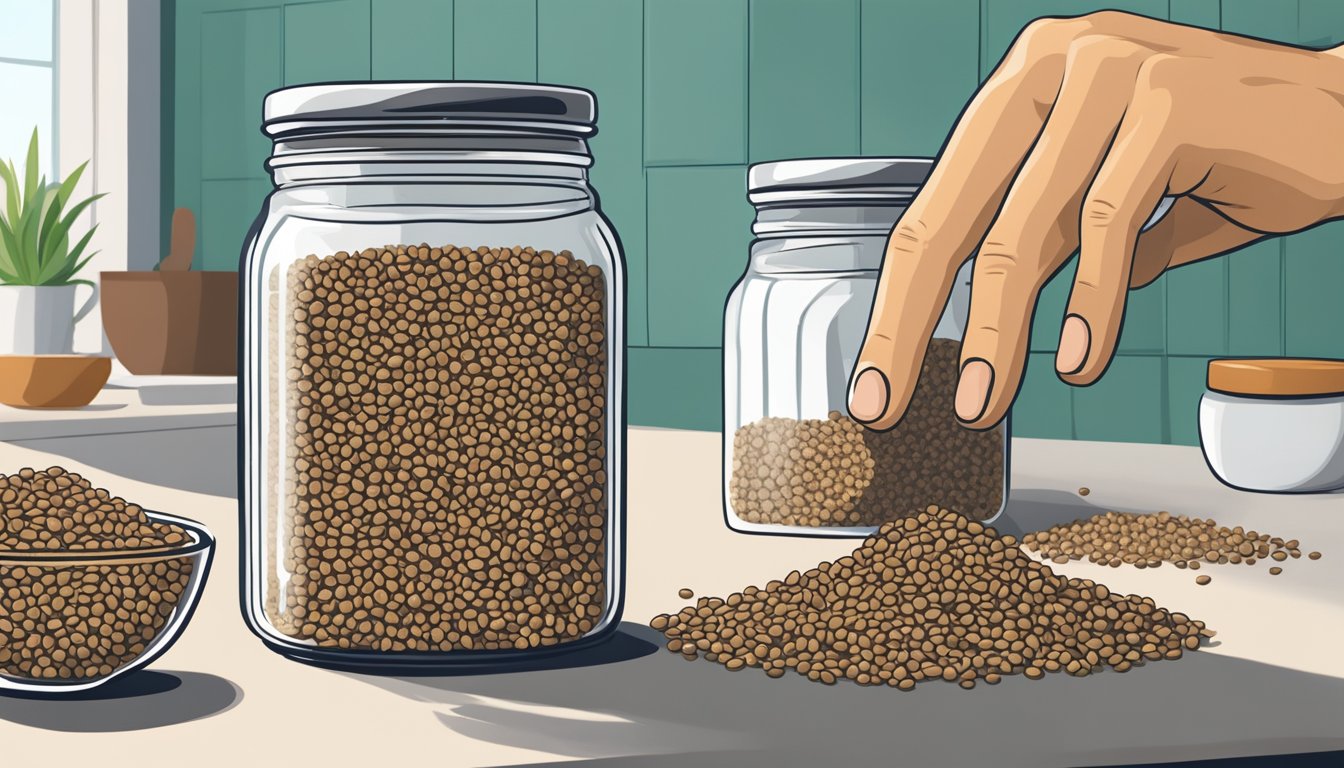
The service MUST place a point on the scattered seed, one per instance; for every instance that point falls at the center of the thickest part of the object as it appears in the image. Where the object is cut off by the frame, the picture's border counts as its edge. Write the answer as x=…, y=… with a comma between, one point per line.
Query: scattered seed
x=1314, y=556
x=1275, y=571
x=1202, y=580
x=685, y=593
x=1149, y=540
x=1084, y=491
x=932, y=597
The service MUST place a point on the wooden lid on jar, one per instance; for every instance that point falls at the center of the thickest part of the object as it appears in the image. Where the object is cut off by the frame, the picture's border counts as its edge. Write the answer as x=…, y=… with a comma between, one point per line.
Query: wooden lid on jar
x=1277, y=377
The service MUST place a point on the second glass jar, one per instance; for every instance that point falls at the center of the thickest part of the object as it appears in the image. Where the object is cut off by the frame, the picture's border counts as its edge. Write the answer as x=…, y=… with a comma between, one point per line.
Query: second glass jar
x=794, y=462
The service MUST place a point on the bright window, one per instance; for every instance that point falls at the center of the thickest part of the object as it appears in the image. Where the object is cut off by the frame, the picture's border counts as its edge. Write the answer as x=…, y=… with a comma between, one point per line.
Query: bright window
x=28, y=80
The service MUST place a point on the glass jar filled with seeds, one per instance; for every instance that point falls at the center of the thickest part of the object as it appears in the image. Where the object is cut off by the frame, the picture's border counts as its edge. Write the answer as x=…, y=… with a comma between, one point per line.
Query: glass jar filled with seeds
x=433, y=349
x=794, y=462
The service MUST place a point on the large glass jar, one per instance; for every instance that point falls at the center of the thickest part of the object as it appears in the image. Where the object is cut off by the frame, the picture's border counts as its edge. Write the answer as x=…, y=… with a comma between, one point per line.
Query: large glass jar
x=793, y=461
x=432, y=408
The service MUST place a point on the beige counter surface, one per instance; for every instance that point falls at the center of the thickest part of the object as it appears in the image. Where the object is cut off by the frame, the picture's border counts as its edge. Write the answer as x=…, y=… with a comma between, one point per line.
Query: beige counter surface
x=1272, y=683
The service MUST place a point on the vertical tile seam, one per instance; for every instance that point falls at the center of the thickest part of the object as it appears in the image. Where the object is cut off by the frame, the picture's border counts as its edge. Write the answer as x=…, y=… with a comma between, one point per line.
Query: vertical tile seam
x=536, y=41
x=983, y=53
x=643, y=154
x=644, y=166
x=1283, y=239
x=1283, y=294
x=648, y=263
x=1164, y=404
x=200, y=114
x=284, y=60
x=858, y=72
x=746, y=82
x=981, y=11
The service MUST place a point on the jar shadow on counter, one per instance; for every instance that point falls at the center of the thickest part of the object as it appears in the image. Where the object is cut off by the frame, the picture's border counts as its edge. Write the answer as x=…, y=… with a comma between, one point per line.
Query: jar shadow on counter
x=671, y=712
x=626, y=643
x=141, y=700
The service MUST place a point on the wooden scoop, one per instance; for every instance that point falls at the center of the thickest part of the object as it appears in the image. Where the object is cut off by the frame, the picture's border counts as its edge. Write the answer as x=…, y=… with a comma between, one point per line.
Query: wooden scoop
x=182, y=244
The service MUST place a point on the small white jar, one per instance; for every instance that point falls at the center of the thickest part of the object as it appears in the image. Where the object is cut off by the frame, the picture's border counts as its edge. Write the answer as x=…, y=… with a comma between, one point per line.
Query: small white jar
x=1275, y=425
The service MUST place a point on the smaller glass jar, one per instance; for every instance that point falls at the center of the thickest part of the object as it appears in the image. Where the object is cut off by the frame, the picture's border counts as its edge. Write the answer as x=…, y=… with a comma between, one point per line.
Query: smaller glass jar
x=793, y=461
x=1275, y=425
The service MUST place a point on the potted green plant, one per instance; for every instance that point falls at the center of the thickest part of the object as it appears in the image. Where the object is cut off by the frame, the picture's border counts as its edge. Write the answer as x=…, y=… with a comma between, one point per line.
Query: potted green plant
x=38, y=266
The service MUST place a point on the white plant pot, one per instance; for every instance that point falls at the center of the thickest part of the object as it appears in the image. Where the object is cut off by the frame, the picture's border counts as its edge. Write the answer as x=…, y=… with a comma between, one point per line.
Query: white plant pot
x=40, y=319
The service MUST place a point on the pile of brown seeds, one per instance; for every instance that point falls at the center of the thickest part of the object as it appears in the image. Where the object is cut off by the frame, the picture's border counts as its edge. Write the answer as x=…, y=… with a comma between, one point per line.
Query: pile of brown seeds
x=835, y=472
x=932, y=597
x=1148, y=540
x=56, y=510
x=446, y=447
x=83, y=620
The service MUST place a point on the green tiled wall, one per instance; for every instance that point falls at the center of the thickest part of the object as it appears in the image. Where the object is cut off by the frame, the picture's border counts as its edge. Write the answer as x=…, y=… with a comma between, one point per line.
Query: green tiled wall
x=690, y=92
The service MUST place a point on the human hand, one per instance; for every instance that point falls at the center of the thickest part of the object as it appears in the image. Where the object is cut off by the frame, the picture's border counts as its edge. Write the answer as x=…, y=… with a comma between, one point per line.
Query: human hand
x=1083, y=128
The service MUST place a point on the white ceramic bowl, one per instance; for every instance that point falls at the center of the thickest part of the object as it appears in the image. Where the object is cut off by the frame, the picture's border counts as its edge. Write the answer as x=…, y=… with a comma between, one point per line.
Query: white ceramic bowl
x=1279, y=445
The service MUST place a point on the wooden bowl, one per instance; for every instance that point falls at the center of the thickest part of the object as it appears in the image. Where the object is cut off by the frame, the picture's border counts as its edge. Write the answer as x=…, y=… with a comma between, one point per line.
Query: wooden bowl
x=52, y=381
x=172, y=323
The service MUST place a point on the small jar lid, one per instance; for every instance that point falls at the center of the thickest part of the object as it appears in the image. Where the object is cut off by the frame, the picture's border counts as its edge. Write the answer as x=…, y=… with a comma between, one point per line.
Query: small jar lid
x=421, y=106
x=878, y=179
x=1277, y=377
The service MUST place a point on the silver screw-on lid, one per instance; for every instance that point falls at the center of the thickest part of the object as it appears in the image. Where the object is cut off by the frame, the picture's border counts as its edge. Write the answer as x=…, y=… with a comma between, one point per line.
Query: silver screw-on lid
x=422, y=106
x=832, y=178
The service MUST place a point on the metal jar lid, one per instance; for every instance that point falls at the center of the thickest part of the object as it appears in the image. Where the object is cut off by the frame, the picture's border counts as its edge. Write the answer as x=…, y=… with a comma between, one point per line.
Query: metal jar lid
x=872, y=180
x=428, y=107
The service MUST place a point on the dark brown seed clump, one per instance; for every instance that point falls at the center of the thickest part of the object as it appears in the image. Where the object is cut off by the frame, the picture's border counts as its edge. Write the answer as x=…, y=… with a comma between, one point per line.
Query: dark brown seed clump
x=835, y=472
x=447, y=450
x=53, y=510
x=931, y=597
x=1147, y=541
x=85, y=620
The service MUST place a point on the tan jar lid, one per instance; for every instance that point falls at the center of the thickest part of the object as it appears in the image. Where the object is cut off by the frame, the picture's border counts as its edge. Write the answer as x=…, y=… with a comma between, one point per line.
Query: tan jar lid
x=1277, y=377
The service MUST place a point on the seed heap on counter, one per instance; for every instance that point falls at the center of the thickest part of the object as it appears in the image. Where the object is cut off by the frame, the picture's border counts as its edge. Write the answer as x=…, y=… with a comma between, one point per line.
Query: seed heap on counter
x=447, y=448
x=835, y=472
x=933, y=597
x=82, y=620
x=1149, y=540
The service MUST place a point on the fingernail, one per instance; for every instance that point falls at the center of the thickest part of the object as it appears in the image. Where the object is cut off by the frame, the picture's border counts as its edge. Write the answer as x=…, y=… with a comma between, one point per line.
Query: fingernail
x=1074, y=342
x=868, y=398
x=977, y=376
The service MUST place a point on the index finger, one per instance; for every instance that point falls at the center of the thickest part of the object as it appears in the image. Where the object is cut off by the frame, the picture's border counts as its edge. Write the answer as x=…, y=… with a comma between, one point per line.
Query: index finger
x=948, y=218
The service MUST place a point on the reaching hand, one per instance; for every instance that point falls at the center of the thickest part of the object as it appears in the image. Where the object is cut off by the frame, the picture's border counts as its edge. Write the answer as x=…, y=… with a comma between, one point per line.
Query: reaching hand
x=1084, y=127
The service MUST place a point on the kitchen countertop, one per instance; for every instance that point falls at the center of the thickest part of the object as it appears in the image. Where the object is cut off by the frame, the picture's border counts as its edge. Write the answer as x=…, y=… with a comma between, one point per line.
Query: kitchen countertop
x=115, y=410
x=1273, y=682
